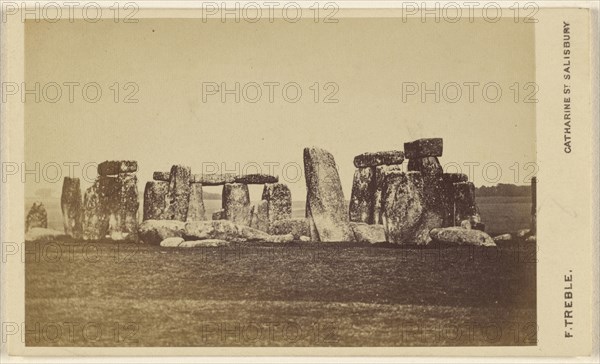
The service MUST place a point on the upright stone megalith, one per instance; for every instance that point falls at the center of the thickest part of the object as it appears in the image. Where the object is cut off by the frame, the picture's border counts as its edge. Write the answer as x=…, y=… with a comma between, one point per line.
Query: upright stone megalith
x=128, y=206
x=380, y=172
x=155, y=200
x=196, y=211
x=37, y=217
x=402, y=206
x=279, y=201
x=325, y=198
x=71, y=207
x=362, y=199
x=179, y=193
x=236, y=203
x=465, y=206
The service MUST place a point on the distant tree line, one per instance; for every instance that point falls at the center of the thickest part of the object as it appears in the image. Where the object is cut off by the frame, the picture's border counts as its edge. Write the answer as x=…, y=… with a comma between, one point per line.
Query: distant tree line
x=503, y=189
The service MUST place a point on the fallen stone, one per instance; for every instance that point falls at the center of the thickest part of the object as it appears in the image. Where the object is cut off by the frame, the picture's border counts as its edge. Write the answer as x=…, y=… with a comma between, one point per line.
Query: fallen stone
x=460, y=236
x=531, y=239
x=161, y=176
x=503, y=237
x=207, y=243
x=37, y=217
x=227, y=230
x=40, y=234
x=428, y=166
x=71, y=207
x=256, y=179
x=523, y=233
x=296, y=226
x=364, y=233
x=115, y=167
x=402, y=206
x=171, y=242
x=325, y=197
x=179, y=193
x=236, y=203
x=214, y=179
x=279, y=201
x=259, y=213
x=155, y=200
x=362, y=199
x=154, y=231
x=287, y=238
x=380, y=172
x=422, y=148
x=218, y=215
x=304, y=239
x=379, y=158
x=196, y=204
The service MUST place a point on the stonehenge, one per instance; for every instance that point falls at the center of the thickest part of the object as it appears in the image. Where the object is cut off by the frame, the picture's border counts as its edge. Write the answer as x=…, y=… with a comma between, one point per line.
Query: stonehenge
x=421, y=205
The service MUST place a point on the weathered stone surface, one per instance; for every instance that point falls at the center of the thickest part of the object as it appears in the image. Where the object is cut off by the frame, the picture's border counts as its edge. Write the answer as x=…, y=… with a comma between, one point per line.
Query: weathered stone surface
x=256, y=179
x=214, y=179
x=460, y=236
x=287, y=238
x=259, y=213
x=43, y=234
x=422, y=148
x=452, y=178
x=523, y=233
x=503, y=237
x=362, y=199
x=314, y=234
x=279, y=201
x=37, y=217
x=379, y=158
x=155, y=200
x=304, y=239
x=126, y=209
x=207, y=243
x=218, y=215
x=179, y=193
x=236, y=203
x=325, y=197
x=446, y=196
x=297, y=227
x=71, y=207
x=429, y=220
x=380, y=172
x=364, y=233
x=99, y=203
x=108, y=168
x=154, y=231
x=228, y=230
x=196, y=209
x=531, y=239
x=464, y=202
x=428, y=166
x=161, y=176
x=402, y=206
x=171, y=242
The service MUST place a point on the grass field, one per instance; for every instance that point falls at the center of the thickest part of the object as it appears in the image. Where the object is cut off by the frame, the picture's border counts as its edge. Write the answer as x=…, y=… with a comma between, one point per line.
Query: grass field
x=109, y=294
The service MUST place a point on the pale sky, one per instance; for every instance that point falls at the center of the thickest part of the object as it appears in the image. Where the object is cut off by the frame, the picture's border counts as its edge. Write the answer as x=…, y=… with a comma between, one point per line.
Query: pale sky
x=367, y=58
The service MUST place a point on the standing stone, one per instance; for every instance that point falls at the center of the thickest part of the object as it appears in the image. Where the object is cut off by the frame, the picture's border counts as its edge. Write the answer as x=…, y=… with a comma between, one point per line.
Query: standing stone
x=109, y=192
x=179, y=193
x=236, y=203
x=464, y=202
x=37, y=217
x=196, y=210
x=325, y=197
x=312, y=229
x=446, y=191
x=127, y=212
x=422, y=148
x=379, y=158
x=260, y=216
x=428, y=166
x=95, y=221
x=380, y=172
x=402, y=205
x=109, y=168
x=279, y=201
x=155, y=200
x=362, y=199
x=71, y=207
